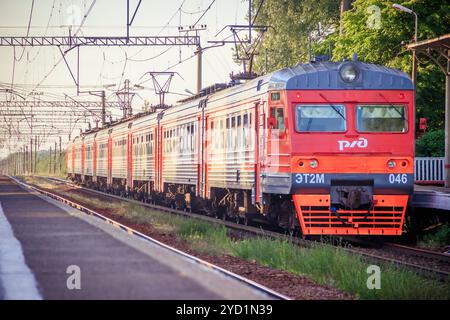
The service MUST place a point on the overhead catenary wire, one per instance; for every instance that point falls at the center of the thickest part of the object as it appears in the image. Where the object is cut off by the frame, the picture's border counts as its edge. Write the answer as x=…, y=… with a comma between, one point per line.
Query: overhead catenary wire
x=207, y=9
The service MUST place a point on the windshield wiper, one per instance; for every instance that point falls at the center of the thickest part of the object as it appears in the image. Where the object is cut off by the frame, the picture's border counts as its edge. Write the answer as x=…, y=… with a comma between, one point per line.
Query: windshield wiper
x=393, y=107
x=333, y=106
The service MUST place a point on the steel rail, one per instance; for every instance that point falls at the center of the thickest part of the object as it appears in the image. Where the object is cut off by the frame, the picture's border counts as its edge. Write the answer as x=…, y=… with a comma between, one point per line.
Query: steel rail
x=418, y=252
x=369, y=257
x=256, y=286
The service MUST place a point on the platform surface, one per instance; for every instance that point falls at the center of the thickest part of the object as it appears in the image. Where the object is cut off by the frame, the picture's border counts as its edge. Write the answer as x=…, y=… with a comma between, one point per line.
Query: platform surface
x=46, y=237
x=432, y=197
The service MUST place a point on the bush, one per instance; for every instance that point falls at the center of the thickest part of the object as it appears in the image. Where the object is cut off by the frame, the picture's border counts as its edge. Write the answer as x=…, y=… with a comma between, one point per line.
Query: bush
x=438, y=239
x=431, y=144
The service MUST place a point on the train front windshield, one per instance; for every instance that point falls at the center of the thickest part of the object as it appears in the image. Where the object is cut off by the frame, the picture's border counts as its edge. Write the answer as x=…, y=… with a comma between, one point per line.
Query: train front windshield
x=320, y=118
x=380, y=118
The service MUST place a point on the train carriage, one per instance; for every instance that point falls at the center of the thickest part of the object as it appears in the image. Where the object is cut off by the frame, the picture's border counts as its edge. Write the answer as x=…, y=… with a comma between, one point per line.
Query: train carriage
x=88, y=167
x=179, y=160
x=119, y=154
x=77, y=159
x=325, y=146
x=101, y=159
x=143, y=158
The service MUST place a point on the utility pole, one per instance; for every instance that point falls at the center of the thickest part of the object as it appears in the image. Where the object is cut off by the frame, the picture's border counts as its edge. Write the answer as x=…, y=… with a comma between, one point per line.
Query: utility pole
x=54, y=165
x=199, y=53
x=59, y=154
x=50, y=161
x=31, y=156
x=125, y=98
x=35, y=153
x=103, y=95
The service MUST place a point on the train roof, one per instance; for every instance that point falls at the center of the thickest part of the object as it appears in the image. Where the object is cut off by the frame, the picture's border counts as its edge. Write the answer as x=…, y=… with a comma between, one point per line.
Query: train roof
x=326, y=76
x=304, y=76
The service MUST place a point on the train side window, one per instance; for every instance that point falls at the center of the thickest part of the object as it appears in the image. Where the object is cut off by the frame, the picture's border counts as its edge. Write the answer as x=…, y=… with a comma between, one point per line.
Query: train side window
x=193, y=136
x=276, y=120
x=239, y=132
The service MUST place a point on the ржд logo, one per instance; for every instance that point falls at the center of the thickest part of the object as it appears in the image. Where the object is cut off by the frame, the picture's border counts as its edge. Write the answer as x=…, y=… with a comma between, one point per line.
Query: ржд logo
x=360, y=143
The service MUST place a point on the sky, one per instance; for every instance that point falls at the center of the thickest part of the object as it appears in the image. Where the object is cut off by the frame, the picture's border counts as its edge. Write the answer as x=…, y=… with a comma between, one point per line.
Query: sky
x=107, y=67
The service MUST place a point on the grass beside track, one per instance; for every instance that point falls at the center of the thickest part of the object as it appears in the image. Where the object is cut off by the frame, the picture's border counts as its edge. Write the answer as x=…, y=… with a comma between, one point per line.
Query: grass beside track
x=322, y=264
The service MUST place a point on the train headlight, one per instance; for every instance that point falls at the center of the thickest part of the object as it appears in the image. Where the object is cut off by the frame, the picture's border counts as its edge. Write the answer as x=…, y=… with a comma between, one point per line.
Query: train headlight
x=313, y=163
x=391, y=164
x=348, y=72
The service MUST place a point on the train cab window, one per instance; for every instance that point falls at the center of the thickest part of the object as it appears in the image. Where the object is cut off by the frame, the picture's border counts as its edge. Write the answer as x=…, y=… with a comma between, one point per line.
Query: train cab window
x=381, y=118
x=320, y=118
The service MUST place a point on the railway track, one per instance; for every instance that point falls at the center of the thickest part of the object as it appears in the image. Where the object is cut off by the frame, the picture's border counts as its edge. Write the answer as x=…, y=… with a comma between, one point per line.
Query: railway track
x=430, y=264
x=271, y=294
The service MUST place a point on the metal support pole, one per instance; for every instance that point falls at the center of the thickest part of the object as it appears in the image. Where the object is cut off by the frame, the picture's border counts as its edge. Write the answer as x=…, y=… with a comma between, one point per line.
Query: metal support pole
x=414, y=64
x=250, y=21
x=128, y=19
x=35, y=153
x=447, y=125
x=26, y=160
x=31, y=156
x=50, y=161
x=22, y=162
x=54, y=164
x=265, y=61
x=103, y=95
x=60, y=155
x=199, y=68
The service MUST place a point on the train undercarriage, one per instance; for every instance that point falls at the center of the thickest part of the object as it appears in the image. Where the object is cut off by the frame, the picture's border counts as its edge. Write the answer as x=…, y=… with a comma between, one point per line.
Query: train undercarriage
x=227, y=204
x=294, y=213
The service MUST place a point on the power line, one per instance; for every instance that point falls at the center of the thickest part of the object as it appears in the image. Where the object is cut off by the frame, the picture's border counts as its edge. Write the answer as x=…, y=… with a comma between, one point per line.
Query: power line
x=212, y=2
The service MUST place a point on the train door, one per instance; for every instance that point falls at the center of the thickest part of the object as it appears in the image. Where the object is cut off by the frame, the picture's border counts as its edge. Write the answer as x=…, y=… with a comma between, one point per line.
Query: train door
x=154, y=151
x=129, y=158
x=83, y=158
x=73, y=160
x=202, y=148
x=94, y=160
x=158, y=154
x=259, y=147
x=109, y=178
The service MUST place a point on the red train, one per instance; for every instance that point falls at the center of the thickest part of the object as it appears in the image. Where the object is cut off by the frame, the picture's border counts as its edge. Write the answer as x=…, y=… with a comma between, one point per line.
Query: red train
x=324, y=146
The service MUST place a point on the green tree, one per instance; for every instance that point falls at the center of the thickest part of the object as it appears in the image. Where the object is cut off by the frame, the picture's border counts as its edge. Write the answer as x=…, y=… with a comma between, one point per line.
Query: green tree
x=290, y=22
x=431, y=144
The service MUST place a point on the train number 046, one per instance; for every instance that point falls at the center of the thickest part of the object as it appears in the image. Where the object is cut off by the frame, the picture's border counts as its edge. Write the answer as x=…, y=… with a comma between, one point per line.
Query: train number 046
x=398, y=178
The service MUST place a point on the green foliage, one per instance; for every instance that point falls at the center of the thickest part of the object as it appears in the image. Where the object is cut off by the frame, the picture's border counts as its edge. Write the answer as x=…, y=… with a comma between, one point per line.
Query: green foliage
x=431, y=144
x=286, y=41
x=332, y=266
x=42, y=164
x=438, y=239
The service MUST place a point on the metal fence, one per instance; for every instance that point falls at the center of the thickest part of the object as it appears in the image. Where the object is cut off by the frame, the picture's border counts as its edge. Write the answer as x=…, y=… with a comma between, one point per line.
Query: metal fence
x=429, y=170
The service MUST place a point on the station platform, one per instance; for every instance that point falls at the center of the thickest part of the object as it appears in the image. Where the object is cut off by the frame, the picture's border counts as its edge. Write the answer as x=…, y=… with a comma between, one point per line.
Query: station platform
x=432, y=197
x=43, y=242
